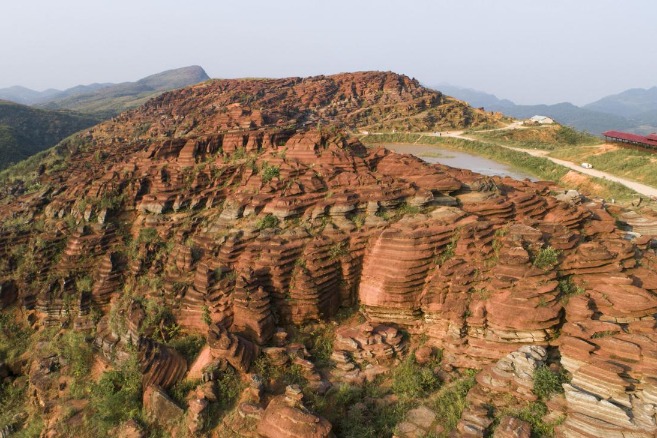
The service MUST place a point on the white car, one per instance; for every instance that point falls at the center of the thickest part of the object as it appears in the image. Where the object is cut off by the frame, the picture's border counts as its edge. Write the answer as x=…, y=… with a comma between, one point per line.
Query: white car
x=587, y=165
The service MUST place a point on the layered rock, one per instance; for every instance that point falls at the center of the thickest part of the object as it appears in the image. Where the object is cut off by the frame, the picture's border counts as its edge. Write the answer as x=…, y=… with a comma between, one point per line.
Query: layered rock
x=365, y=351
x=287, y=417
x=239, y=210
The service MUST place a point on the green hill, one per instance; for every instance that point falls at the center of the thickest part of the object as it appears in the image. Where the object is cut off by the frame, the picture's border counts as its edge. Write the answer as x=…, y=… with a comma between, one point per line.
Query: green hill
x=24, y=131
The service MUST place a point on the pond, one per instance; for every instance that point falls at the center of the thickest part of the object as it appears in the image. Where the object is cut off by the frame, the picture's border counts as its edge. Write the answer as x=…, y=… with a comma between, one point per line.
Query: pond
x=462, y=160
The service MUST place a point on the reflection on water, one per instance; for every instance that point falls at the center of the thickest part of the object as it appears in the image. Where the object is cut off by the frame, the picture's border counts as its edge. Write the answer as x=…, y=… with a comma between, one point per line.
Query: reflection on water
x=462, y=160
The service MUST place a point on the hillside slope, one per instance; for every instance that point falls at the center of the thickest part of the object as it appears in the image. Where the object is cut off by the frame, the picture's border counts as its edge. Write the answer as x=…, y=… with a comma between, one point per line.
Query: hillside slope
x=227, y=260
x=24, y=131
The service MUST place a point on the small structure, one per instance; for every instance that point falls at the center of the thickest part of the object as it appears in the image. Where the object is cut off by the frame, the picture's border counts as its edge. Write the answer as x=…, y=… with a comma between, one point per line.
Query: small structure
x=541, y=120
x=646, y=142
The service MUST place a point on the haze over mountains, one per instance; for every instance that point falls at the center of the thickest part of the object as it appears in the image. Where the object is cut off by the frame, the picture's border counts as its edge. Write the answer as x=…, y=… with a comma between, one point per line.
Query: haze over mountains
x=107, y=98
x=633, y=110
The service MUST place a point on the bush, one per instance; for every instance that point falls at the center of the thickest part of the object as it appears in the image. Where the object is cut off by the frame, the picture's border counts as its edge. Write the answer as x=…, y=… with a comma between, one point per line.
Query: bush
x=546, y=257
x=547, y=382
x=228, y=388
x=116, y=397
x=188, y=346
x=179, y=391
x=269, y=172
x=569, y=289
x=268, y=221
x=410, y=380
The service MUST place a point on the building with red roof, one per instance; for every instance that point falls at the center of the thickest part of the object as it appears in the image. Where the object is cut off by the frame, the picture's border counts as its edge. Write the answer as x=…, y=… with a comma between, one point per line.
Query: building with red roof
x=648, y=142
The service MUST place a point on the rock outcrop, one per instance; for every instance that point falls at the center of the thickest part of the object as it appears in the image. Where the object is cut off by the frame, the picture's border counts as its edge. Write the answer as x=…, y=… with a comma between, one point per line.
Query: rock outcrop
x=286, y=417
x=231, y=209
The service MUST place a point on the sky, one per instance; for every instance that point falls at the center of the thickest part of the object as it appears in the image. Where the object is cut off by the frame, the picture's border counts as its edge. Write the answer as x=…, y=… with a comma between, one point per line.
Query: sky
x=536, y=51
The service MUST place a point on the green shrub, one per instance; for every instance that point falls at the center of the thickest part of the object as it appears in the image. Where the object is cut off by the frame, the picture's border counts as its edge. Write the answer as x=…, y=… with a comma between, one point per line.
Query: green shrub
x=569, y=289
x=116, y=397
x=338, y=250
x=547, y=382
x=179, y=391
x=267, y=221
x=228, y=387
x=188, y=346
x=546, y=257
x=269, y=172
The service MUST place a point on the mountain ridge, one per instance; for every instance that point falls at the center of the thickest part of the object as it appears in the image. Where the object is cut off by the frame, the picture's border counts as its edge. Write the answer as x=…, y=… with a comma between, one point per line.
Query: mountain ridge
x=70, y=98
x=592, y=117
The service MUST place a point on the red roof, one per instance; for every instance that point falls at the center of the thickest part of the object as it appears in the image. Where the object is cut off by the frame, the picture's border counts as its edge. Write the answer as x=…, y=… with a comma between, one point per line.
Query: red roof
x=650, y=140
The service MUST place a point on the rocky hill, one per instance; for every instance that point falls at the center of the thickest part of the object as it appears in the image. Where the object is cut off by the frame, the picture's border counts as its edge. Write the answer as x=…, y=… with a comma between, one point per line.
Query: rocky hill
x=24, y=131
x=227, y=261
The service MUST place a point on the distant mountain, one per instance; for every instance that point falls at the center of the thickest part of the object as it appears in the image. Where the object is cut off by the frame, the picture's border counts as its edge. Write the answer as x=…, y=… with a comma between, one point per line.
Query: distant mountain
x=24, y=131
x=584, y=119
x=106, y=99
x=26, y=96
x=475, y=98
x=632, y=104
x=110, y=99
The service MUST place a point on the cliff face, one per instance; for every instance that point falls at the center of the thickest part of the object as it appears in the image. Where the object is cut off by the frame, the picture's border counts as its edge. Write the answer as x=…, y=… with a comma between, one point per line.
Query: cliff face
x=227, y=205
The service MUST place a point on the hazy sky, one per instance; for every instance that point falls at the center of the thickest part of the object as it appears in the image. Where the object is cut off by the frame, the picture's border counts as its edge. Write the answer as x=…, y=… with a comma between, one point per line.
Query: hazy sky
x=529, y=51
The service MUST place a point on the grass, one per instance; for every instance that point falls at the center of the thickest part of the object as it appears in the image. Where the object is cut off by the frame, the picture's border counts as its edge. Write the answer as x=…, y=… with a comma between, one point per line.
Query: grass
x=353, y=412
x=78, y=352
x=14, y=337
x=449, y=402
x=546, y=137
x=412, y=381
x=634, y=164
x=116, y=397
x=533, y=414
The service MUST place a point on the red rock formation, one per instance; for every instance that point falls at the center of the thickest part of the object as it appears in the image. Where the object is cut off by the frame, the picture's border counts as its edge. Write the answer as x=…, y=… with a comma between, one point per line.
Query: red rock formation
x=239, y=209
x=286, y=417
x=236, y=350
